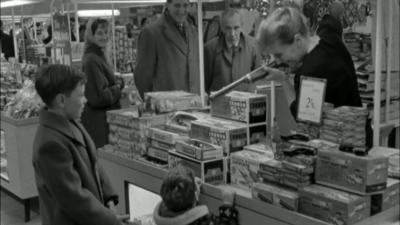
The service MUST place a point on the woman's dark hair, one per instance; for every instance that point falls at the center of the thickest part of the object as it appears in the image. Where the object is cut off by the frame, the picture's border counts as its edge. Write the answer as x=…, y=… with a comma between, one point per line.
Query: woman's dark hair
x=98, y=23
x=55, y=79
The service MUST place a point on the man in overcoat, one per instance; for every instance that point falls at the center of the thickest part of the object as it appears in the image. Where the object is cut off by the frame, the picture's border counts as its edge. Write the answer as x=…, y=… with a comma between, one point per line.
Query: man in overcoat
x=168, y=52
x=231, y=55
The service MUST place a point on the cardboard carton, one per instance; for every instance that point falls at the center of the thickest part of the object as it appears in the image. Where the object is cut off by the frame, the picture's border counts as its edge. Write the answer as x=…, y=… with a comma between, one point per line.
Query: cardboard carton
x=276, y=195
x=244, y=167
x=346, y=171
x=232, y=136
x=387, y=199
x=209, y=171
x=333, y=206
x=240, y=106
x=199, y=150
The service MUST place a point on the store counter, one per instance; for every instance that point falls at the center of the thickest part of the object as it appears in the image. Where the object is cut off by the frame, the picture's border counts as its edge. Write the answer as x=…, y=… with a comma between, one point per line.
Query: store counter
x=17, y=174
x=123, y=171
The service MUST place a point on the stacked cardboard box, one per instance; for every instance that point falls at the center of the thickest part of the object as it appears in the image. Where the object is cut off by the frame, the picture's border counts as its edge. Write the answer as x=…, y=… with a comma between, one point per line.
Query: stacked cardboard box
x=333, y=206
x=246, y=108
x=345, y=125
x=347, y=171
x=169, y=101
x=276, y=195
x=245, y=165
x=211, y=171
x=386, y=199
x=232, y=136
x=128, y=131
x=199, y=150
x=161, y=141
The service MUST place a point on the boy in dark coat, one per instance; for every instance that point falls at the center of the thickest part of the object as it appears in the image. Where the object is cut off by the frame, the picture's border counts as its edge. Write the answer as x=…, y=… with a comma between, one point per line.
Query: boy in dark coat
x=73, y=188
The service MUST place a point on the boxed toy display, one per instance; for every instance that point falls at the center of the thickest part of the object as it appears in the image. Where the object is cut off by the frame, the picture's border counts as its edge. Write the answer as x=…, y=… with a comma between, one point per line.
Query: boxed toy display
x=209, y=171
x=169, y=101
x=387, y=199
x=276, y=195
x=199, y=150
x=244, y=167
x=347, y=171
x=232, y=136
x=240, y=106
x=333, y=206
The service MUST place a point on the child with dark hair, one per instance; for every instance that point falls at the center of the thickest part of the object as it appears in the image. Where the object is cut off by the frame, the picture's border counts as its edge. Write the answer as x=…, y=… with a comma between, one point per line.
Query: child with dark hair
x=180, y=194
x=73, y=188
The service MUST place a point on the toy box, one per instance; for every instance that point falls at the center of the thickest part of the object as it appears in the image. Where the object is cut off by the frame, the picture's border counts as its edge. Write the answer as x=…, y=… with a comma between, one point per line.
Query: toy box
x=387, y=199
x=333, y=206
x=232, y=136
x=199, y=150
x=209, y=171
x=159, y=133
x=260, y=148
x=169, y=101
x=276, y=195
x=346, y=171
x=129, y=117
x=157, y=153
x=240, y=106
x=244, y=167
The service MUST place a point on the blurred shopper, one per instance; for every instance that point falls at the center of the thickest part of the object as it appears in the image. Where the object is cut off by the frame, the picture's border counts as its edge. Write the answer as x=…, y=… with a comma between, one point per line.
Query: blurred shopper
x=49, y=35
x=73, y=188
x=330, y=27
x=103, y=89
x=168, y=56
x=7, y=43
x=231, y=55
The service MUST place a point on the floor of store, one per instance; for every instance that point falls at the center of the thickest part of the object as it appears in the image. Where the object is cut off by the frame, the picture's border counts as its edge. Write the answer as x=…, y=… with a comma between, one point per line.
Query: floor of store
x=12, y=211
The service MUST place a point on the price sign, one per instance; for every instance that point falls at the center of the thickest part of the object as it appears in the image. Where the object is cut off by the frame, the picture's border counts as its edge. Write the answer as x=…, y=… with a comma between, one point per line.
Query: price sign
x=311, y=98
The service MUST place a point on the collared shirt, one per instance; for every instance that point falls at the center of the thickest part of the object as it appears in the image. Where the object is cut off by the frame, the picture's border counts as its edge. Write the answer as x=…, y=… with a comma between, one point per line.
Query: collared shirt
x=180, y=26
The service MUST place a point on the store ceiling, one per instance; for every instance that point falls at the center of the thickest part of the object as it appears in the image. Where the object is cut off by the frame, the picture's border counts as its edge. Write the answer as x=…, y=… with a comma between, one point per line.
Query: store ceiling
x=43, y=6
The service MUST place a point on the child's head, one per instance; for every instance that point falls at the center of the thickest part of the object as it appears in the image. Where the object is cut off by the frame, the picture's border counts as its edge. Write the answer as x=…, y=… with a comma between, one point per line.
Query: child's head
x=178, y=190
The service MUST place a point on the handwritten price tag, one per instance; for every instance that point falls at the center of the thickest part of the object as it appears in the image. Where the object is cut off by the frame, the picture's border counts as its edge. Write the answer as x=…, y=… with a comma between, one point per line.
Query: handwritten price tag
x=312, y=95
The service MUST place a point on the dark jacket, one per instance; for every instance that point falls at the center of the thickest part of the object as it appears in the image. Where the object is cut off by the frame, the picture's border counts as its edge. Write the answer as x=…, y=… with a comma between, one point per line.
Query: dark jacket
x=222, y=69
x=101, y=92
x=330, y=61
x=7, y=45
x=72, y=186
x=165, y=59
x=330, y=29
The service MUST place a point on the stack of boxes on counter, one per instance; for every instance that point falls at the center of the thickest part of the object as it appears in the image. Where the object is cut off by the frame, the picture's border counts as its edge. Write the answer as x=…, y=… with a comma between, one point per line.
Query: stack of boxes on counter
x=315, y=177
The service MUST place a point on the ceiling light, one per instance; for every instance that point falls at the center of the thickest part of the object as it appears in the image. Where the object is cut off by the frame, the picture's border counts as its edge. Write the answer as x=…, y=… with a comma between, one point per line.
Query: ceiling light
x=12, y=3
x=97, y=13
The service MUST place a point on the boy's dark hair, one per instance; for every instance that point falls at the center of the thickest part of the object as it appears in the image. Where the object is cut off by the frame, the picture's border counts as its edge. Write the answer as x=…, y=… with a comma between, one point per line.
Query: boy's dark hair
x=178, y=189
x=55, y=79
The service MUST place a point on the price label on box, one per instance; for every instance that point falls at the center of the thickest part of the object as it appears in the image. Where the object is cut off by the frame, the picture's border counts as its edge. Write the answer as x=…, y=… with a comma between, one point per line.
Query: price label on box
x=311, y=99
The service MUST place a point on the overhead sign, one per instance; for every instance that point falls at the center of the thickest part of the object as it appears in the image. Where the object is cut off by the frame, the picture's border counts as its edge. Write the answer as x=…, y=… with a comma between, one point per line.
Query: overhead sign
x=311, y=99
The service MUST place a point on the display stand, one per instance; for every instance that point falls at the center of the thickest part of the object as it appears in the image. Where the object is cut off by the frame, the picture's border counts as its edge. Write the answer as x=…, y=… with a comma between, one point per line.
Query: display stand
x=251, y=212
x=19, y=135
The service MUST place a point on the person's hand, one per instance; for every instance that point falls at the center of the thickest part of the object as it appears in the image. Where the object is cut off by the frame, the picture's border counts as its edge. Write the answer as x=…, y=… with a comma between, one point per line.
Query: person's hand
x=112, y=207
x=120, y=82
x=275, y=74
